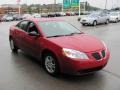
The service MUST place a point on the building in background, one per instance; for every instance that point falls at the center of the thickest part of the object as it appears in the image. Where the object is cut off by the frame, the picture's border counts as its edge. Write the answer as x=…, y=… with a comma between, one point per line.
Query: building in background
x=37, y=8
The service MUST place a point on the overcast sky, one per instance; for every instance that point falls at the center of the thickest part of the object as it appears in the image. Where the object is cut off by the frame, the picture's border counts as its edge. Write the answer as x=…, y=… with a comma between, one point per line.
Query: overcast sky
x=97, y=3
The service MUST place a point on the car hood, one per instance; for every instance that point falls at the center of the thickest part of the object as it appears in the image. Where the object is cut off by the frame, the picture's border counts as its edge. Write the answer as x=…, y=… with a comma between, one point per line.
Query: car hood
x=81, y=42
x=89, y=18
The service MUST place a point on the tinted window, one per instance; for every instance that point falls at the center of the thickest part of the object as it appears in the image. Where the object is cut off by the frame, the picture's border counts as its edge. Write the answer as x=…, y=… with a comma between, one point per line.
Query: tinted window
x=23, y=25
x=54, y=28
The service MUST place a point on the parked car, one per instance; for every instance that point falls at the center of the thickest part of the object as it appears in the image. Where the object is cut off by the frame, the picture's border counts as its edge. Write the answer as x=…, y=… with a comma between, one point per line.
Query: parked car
x=7, y=18
x=76, y=13
x=114, y=17
x=51, y=14
x=57, y=14
x=36, y=15
x=62, y=13
x=17, y=17
x=44, y=15
x=25, y=16
x=95, y=18
x=72, y=13
x=51, y=41
x=68, y=14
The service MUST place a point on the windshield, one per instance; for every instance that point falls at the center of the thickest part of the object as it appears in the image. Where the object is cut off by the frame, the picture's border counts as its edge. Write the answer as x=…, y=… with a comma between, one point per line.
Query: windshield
x=93, y=15
x=114, y=14
x=58, y=28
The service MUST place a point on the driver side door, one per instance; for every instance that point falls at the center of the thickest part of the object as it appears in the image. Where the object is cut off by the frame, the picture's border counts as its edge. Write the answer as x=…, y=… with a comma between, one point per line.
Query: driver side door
x=32, y=43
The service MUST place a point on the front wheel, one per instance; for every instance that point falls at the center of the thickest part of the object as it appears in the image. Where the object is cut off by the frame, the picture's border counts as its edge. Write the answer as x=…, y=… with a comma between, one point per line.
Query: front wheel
x=116, y=20
x=107, y=21
x=94, y=23
x=83, y=24
x=50, y=64
x=12, y=46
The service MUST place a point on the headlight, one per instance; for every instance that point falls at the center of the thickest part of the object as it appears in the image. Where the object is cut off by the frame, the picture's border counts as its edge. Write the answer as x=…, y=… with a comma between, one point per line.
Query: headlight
x=104, y=46
x=74, y=54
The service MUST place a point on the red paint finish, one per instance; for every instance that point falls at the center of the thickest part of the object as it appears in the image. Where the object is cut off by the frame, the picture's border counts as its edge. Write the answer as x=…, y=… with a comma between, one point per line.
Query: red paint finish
x=80, y=42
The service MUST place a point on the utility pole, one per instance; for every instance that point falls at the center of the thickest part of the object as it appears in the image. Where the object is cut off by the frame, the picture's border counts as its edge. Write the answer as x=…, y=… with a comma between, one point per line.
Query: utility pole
x=62, y=6
x=117, y=3
x=54, y=5
x=112, y=4
x=79, y=18
x=19, y=7
x=106, y=4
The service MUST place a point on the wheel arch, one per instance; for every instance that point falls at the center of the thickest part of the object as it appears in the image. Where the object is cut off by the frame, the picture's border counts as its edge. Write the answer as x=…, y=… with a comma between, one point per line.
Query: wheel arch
x=45, y=51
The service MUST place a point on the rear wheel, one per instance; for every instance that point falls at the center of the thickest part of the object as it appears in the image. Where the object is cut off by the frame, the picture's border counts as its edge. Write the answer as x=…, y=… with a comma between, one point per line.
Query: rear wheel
x=12, y=46
x=107, y=21
x=50, y=64
x=116, y=20
x=94, y=23
x=83, y=24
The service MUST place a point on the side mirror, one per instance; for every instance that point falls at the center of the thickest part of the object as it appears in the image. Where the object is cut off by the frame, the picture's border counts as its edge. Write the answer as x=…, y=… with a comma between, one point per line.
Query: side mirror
x=33, y=33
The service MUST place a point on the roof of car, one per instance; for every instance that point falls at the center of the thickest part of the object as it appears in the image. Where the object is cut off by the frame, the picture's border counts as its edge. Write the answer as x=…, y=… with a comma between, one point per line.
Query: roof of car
x=44, y=19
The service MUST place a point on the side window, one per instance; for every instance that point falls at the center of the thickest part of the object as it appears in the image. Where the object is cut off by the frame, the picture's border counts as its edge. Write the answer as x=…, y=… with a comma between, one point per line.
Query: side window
x=32, y=28
x=23, y=25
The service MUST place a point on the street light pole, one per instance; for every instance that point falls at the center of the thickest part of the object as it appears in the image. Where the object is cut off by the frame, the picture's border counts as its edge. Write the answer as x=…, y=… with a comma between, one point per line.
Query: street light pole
x=19, y=9
x=106, y=4
x=54, y=5
x=117, y=3
x=79, y=8
x=62, y=5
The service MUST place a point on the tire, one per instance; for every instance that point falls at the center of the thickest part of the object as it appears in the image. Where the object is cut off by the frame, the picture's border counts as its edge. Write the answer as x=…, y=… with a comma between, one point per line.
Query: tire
x=94, y=23
x=13, y=46
x=50, y=64
x=116, y=20
x=107, y=21
x=83, y=24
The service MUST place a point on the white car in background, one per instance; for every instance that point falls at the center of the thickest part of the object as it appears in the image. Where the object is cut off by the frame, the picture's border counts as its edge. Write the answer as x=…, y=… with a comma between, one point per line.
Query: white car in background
x=44, y=15
x=114, y=17
x=95, y=18
x=7, y=18
x=26, y=16
x=62, y=14
x=36, y=15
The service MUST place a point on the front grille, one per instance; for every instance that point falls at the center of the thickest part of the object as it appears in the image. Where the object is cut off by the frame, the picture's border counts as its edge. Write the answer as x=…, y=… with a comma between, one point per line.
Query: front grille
x=96, y=56
x=99, y=55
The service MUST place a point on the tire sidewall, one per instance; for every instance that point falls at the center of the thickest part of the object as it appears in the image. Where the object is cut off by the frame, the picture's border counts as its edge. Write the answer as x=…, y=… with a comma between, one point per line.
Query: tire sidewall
x=107, y=21
x=56, y=72
x=94, y=23
x=14, y=49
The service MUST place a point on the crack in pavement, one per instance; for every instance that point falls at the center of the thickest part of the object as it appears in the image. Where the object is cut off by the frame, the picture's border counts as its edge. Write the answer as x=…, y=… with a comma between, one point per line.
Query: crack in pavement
x=111, y=73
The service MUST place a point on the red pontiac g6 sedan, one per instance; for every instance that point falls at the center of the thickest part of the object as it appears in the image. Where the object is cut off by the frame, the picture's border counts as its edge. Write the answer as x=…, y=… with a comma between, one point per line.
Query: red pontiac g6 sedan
x=60, y=47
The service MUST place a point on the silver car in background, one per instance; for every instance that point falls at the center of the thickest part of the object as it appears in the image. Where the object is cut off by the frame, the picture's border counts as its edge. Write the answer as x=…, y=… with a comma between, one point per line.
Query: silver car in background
x=95, y=18
x=114, y=17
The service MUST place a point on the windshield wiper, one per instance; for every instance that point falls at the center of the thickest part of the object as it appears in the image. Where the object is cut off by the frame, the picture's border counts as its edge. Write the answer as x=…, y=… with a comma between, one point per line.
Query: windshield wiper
x=73, y=33
x=56, y=36
x=65, y=35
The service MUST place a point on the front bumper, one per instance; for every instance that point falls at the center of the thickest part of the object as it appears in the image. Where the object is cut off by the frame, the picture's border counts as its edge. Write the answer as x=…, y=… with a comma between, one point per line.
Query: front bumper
x=77, y=66
x=86, y=22
x=112, y=19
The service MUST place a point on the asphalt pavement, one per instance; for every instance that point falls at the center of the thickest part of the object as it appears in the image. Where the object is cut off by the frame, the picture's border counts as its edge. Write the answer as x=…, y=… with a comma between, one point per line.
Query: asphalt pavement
x=22, y=72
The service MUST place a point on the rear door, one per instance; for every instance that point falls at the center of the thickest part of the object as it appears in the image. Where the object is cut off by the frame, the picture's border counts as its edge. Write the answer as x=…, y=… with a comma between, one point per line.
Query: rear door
x=100, y=19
